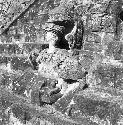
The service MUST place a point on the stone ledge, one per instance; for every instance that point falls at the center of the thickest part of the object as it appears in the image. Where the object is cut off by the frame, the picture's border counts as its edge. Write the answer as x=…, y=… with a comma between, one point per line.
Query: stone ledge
x=102, y=104
x=9, y=48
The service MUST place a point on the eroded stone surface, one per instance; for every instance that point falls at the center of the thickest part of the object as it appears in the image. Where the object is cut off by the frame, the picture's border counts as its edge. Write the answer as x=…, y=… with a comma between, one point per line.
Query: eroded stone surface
x=97, y=104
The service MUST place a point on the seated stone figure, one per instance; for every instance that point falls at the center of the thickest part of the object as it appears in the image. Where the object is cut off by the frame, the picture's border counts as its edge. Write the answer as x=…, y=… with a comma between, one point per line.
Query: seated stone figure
x=57, y=62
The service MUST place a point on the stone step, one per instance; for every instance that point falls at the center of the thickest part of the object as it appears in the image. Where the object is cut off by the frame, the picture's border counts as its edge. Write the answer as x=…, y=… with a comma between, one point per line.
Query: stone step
x=108, y=74
x=15, y=63
x=13, y=101
x=96, y=104
x=9, y=48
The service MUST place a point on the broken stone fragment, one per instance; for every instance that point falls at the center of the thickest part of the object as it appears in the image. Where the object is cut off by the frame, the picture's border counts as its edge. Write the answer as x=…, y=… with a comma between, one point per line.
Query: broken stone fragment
x=45, y=93
x=49, y=99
